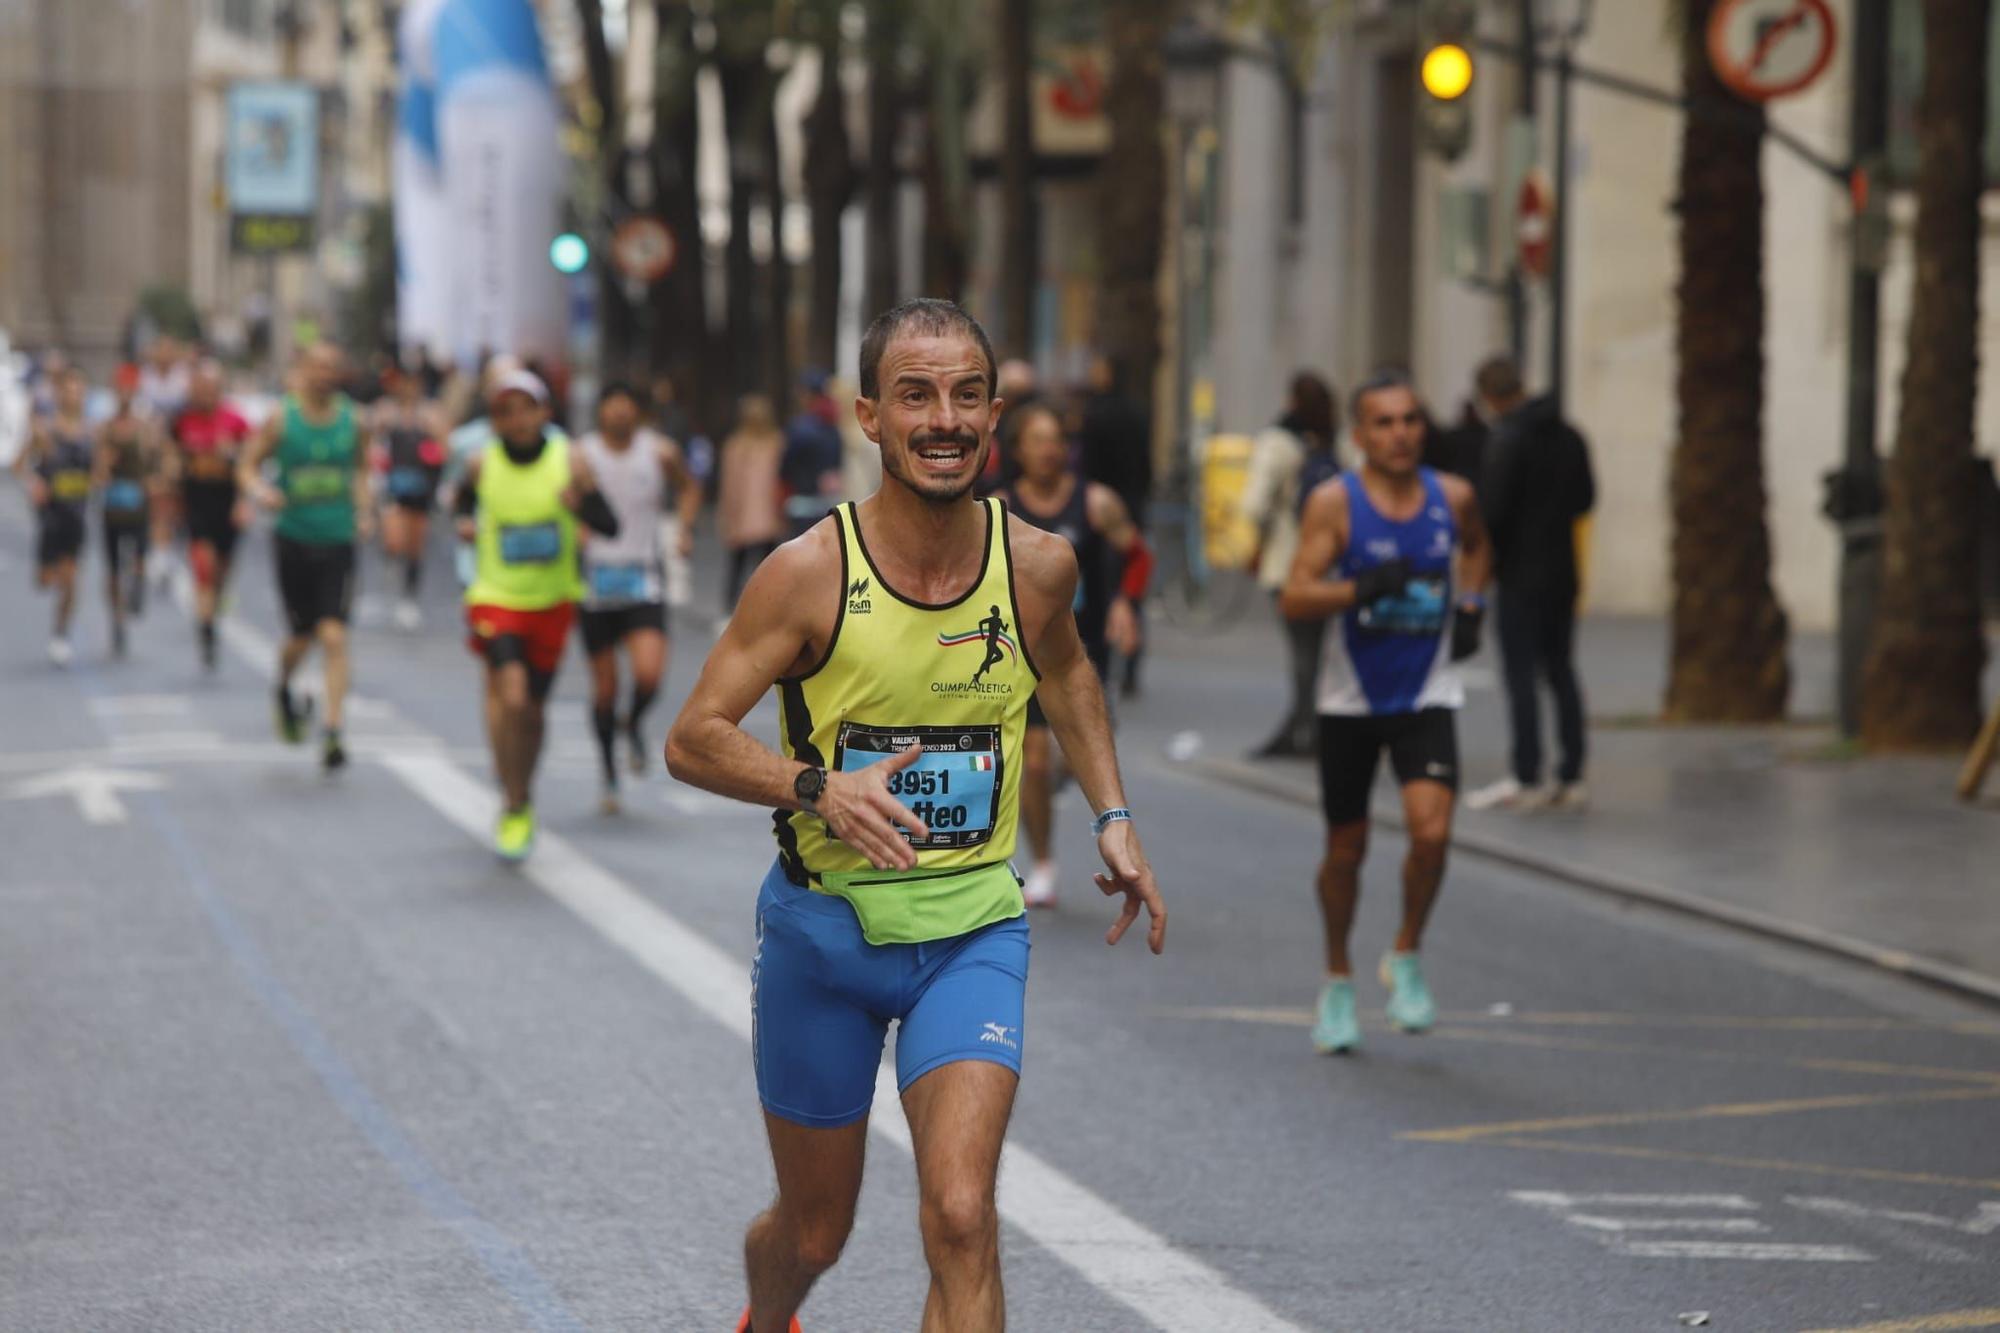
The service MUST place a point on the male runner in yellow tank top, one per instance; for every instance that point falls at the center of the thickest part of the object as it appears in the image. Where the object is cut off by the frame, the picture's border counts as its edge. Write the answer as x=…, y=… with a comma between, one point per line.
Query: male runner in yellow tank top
x=906, y=635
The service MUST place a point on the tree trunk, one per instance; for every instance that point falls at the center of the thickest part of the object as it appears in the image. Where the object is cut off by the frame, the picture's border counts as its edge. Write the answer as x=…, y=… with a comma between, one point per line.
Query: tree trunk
x=1132, y=193
x=741, y=77
x=882, y=269
x=1728, y=632
x=620, y=324
x=1920, y=687
x=945, y=239
x=681, y=343
x=1020, y=260
x=778, y=270
x=829, y=172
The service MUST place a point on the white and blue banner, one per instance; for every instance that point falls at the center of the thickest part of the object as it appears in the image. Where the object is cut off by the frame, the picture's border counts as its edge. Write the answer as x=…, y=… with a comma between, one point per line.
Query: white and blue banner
x=479, y=181
x=497, y=136
x=423, y=228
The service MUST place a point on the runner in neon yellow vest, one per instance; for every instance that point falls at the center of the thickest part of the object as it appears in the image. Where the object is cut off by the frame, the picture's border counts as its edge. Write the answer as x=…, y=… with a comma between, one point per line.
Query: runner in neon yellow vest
x=519, y=504
x=905, y=635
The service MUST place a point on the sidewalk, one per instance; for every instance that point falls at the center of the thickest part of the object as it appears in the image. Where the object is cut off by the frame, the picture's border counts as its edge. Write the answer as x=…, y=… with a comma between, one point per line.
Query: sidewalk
x=1760, y=827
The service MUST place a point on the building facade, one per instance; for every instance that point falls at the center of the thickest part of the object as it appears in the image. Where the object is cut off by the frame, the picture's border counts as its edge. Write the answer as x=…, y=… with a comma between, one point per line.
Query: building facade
x=1337, y=244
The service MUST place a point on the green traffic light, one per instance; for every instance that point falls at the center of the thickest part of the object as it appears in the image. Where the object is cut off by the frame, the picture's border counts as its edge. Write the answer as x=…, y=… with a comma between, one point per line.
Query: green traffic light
x=569, y=252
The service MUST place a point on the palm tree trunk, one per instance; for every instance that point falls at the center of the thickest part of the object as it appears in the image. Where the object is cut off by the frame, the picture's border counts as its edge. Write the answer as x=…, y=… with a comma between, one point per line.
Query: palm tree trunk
x=882, y=273
x=1728, y=631
x=741, y=77
x=620, y=319
x=1019, y=258
x=829, y=173
x=680, y=329
x=1920, y=687
x=1132, y=185
x=778, y=270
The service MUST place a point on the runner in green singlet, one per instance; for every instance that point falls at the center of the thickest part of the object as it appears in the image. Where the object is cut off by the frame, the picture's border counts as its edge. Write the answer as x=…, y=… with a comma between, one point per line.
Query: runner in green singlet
x=319, y=489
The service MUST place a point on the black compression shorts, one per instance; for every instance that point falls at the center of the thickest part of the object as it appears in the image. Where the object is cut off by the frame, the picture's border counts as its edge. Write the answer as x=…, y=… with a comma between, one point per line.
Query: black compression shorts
x=1423, y=747
x=58, y=534
x=606, y=628
x=315, y=583
x=210, y=508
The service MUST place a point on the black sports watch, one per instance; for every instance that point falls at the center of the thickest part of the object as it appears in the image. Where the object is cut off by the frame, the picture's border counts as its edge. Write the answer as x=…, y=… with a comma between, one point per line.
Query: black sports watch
x=809, y=785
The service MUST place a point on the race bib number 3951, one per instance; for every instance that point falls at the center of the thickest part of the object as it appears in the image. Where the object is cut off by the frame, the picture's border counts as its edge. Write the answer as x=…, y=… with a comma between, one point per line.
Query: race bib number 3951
x=954, y=786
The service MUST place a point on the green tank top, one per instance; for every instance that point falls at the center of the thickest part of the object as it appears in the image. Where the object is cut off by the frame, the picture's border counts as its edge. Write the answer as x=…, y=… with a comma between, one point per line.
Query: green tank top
x=954, y=678
x=316, y=463
x=527, y=544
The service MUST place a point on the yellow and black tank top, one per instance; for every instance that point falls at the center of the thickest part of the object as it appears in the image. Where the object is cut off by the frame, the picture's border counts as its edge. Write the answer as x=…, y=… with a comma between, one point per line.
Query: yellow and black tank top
x=954, y=678
x=526, y=547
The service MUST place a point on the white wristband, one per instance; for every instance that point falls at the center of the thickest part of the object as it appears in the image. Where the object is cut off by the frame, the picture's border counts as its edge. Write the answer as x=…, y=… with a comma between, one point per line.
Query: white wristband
x=1115, y=815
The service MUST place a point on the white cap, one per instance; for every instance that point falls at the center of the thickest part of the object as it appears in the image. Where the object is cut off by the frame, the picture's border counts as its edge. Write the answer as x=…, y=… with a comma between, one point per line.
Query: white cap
x=519, y=381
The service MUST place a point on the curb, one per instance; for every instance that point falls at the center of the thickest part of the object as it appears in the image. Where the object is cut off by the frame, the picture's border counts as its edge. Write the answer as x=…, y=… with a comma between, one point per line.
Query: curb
x=1945, y=976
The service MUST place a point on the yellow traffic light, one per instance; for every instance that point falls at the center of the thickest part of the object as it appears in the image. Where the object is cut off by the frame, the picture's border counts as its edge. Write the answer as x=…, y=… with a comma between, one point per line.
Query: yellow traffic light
x=1447, y=71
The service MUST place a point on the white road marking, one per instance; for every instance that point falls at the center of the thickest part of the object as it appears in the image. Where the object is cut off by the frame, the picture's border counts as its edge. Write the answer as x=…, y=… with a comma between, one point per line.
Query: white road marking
x=171, y=740
x=1135, y=1266
x=1984, y=1221
x=1592, y=1222
x=95, y=790
x=141, y=705
x=1550, y=1199
x=1761, y=1251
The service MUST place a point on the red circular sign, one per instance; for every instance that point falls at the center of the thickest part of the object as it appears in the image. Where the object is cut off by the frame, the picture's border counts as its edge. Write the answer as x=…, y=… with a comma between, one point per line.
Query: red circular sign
x=1762, y=49
x=1534, y=224
x=644, y=249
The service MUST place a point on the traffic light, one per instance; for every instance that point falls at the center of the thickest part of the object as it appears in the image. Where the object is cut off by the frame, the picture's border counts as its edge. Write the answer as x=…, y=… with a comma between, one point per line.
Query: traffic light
x=569, y=252
x=1445, y=69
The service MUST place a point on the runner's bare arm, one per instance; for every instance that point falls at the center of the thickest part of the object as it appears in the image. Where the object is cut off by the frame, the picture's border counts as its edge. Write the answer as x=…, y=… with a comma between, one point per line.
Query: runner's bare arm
x=586, y=501
x=782, y=626
x=1045, y=576
x=1475, y=552
x=250, y=466
x=465, y=501
x=1308, y=594
x=686, y=487
x=1108, y=514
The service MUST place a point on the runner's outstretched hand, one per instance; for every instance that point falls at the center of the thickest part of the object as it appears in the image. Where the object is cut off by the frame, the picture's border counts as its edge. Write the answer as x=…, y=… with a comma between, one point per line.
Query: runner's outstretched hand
x=1131, y=876
x=858, y=808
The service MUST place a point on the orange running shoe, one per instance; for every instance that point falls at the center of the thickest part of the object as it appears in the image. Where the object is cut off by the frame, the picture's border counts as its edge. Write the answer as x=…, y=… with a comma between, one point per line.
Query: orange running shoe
x=743, y=1324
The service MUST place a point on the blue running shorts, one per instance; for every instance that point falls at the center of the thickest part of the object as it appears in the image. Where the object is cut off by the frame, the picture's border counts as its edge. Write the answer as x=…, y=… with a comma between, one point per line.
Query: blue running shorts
x=822, y=999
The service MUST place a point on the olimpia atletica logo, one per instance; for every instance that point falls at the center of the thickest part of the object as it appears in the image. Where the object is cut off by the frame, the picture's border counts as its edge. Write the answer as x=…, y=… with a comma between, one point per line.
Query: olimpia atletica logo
x=857, y=598
x=993, y=633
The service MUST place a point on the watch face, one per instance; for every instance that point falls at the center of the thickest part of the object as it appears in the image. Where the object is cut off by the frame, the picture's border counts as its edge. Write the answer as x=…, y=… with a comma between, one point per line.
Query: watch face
x=808, y=785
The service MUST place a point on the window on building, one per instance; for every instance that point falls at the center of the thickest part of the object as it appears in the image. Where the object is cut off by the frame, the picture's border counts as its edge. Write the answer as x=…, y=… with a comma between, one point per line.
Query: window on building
x=1906, y=84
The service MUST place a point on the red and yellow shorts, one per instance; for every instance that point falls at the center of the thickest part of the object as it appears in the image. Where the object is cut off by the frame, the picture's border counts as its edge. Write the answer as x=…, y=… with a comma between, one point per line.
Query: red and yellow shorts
x=541, y=633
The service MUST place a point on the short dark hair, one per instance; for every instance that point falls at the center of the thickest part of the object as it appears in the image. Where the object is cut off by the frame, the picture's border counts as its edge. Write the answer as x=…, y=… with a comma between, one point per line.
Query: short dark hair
x=621, y=389
x=1498, y=378
x=1388, y=377
x=923, y=317
x=1314, y=406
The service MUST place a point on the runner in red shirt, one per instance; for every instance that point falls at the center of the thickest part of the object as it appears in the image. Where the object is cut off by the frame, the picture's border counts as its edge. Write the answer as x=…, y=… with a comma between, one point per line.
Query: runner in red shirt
x=207, y=435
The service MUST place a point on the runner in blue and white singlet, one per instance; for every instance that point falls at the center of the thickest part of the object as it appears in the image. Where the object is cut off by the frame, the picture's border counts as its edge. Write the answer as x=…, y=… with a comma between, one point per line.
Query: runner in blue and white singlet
x=1397, y=556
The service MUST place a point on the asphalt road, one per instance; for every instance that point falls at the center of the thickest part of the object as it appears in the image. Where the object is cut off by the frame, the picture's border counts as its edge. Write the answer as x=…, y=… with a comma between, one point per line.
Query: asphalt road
x=284, y=1052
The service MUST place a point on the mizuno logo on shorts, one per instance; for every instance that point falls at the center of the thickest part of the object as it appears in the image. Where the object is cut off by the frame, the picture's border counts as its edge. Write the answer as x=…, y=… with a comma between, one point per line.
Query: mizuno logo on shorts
x=997, y=1034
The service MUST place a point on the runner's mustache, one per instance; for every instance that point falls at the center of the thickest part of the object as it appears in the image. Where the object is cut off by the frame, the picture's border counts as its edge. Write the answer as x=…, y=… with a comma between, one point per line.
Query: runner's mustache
x=964, y=439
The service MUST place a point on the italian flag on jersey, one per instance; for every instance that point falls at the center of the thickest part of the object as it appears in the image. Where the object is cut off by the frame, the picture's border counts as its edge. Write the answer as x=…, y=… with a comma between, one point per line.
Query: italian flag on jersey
x=982, y=763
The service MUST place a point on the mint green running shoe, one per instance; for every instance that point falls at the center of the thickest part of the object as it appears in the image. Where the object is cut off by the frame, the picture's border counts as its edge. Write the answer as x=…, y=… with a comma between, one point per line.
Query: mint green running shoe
x=1411, y=1007
x=1335, y=1025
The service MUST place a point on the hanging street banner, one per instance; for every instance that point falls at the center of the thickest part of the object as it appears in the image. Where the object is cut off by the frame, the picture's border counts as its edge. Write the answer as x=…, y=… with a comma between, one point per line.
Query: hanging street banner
x=270, y=173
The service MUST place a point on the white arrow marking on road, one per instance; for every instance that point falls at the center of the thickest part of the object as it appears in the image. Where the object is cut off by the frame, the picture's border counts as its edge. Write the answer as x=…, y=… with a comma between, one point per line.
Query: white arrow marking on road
x=1552, y=1199
x=142, y=705
x=1593, y=1222
x=95, y=790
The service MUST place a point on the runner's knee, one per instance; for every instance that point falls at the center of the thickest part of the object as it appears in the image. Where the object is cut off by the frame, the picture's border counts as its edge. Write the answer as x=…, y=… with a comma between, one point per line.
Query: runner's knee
x=1427, y=849
x=1346, y=845
x=958, y=1216
x=821, y=1238
x=332, y=635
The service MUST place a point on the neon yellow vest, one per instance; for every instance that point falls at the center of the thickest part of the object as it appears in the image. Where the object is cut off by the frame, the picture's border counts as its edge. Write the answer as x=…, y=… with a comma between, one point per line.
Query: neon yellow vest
x=955, y=678
x=527, y=544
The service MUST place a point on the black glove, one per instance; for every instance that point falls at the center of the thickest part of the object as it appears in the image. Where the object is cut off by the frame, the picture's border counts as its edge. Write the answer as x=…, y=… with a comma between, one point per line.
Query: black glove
x=1466, y=623
x=1383, y=580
